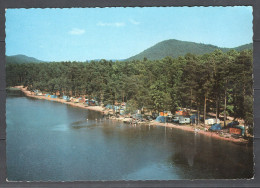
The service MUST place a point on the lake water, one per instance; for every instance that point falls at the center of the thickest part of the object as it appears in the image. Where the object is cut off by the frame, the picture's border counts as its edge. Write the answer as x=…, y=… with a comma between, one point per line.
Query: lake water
x=52, y=141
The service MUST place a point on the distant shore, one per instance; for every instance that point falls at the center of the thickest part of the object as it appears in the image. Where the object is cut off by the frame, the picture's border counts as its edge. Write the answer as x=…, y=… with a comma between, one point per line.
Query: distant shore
x=151, y=123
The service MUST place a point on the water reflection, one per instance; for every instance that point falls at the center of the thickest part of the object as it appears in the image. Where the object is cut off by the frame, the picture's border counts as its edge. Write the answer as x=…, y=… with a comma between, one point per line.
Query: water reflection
x=186, y=150
x=211, y=159
x=53, y=141
x=61, y=127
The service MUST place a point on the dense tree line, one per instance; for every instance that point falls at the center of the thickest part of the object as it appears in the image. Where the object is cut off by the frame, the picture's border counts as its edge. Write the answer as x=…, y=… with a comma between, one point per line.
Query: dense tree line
x=216, y=82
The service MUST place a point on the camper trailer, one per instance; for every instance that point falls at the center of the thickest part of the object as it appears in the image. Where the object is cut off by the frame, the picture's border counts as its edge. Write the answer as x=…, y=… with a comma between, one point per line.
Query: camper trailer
x=184, y=120
x=212, y=121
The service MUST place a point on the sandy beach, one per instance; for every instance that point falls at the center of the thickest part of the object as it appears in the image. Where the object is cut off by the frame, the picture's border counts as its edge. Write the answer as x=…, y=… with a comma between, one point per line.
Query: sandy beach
x=206, y=133
x=151, y=123
x=80, y=105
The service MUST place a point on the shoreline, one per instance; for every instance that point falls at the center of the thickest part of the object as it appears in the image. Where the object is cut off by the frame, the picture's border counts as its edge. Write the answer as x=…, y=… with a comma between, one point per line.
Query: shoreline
x=152, y=123
x=202, y=132
x=29, y=94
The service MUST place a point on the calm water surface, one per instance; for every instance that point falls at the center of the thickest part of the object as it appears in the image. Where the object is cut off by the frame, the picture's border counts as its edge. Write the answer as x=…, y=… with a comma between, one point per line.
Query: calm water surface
x=53, y=141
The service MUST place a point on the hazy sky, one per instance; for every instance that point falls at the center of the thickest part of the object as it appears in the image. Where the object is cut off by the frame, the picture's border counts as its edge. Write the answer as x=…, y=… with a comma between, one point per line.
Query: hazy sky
x=117, y=33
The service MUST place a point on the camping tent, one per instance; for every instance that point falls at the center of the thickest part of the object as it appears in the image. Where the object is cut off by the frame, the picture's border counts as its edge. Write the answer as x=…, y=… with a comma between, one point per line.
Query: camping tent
x=160, y=119
x=233, y=123
x=215, y=127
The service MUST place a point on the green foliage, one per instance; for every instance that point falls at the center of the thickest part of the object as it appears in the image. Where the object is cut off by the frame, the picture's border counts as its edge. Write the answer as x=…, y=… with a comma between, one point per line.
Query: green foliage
x=244, y=47
x=248, y=108
x=230, y=109
x=158, y=85
x=131, y=106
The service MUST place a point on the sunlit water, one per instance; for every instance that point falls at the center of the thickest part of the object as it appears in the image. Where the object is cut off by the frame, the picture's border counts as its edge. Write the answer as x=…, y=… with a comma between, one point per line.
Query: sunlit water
x=53, y=141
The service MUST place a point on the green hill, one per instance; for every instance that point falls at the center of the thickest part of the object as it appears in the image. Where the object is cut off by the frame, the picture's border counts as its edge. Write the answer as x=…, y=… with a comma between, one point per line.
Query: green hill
x=176, y=48
x=18, y=59
x=172, y=47
x=244, y=47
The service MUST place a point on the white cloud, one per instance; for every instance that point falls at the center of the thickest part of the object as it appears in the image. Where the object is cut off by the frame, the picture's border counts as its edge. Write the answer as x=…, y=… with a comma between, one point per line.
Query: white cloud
x=114, y=24
x=134, y=22
x=77, y=31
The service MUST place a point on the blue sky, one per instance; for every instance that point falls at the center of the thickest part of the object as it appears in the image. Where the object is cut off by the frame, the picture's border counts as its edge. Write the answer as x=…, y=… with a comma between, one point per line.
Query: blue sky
x=82, y=34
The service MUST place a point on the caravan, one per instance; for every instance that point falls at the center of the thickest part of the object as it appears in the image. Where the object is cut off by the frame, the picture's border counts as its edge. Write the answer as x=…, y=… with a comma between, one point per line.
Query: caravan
x=184, y=120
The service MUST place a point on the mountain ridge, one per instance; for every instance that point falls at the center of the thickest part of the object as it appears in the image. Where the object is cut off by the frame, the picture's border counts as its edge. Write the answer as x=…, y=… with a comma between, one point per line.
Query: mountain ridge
x=20, y=59
x=176, y=48
x=171, y=47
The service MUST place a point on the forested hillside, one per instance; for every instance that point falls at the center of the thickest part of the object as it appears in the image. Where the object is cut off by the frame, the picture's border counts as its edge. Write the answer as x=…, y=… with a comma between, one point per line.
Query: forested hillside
x=244, y=47
x=176, y=48
x=18, y=59
x=218, y=82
